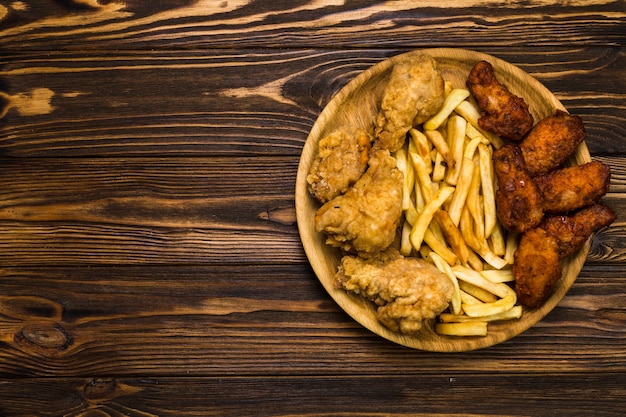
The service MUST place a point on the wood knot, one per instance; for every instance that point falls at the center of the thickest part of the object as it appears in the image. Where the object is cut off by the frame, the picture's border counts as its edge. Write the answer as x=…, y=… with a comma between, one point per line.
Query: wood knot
x=48, y=339
x=100, y=389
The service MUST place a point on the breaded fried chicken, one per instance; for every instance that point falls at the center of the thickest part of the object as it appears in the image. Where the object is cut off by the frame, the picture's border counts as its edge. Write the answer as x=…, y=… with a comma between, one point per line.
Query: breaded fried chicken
x=572, y=231
x=537, y=267
x=553, y=139
x=366, y=217
x=406, y=291
x=571, y=188
x=414, y=93
x=341, y=160
x=518, y=200
x=503, y=113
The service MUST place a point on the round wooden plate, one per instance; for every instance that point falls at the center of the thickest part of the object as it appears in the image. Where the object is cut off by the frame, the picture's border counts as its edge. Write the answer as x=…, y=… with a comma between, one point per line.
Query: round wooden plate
x=358, y=102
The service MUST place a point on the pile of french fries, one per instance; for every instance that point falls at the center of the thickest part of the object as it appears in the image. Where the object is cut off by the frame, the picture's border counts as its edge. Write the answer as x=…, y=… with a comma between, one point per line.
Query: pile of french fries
x=450, y=215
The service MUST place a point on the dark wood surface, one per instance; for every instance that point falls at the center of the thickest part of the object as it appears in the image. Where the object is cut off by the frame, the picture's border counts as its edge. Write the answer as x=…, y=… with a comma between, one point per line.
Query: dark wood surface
x=150, y=262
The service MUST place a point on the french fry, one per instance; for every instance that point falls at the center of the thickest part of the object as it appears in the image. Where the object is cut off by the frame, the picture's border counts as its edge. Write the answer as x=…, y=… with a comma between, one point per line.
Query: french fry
x=498, y=275
x=489, y=309
x=469, y=328
x=405, y=243
x=420, y=144
x=443, y=266
x=477, y=292
x=512, y=240
x=461, y=190
x=472, y=114
x=440, y=143
x=422, y=175
x=473, y=277
x=451, y=101
x=439, y=247
x=402, y=159
x=425, y=217
x=452, y=235
x=474, y=204
x=514, y=312
x=487, y=186
x=439, y=168
x=456, y=142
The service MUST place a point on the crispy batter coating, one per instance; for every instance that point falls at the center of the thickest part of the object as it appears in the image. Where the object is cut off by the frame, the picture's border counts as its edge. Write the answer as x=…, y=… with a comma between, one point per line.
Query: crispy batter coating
x=366, y=217
x=414, y=93
x=406, y=291
x=537, y=267
x=341, y=160
x=518, y=200
x=571, y=188
x=553, y=139
x=503, y=113
x=572, y=231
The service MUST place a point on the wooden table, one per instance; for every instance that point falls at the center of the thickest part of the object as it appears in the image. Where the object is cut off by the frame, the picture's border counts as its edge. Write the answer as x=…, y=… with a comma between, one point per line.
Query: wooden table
x=150, y=261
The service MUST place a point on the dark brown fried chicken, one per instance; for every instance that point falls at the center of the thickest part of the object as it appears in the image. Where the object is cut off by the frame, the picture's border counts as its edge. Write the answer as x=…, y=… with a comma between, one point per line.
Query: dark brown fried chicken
x=571, y=188
x=406, y=291
x=341, y=160
x=537, y=264
x=503, y=113
x=414, y=93
x=366, y=217
x=572, y=231
x=537, y=267
x=553, y=139
x=518, y=200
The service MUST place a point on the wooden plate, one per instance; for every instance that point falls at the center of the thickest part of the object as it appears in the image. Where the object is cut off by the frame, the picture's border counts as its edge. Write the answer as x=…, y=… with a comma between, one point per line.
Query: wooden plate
x=358, y=101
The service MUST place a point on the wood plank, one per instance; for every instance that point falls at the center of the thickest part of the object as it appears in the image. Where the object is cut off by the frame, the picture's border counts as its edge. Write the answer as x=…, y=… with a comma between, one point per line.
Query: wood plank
x=135, y=24
x=307, y=396
x=174, y=211
x=242, y=102
x=269, y=320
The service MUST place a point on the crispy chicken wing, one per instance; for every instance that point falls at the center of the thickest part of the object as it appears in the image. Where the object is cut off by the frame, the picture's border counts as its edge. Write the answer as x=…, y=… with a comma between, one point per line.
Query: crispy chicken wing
x=341, y=160
x=518, y=200
x=553, y=139
x=414, y=93
x=571, y=188
x=537, y=264
x=503, y=113
x=366, y=217
x=572, y=231
x=537, y=267
x=406, y=291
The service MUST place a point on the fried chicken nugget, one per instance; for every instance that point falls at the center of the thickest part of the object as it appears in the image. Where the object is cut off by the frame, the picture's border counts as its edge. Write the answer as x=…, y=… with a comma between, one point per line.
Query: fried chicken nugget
x=537, y=267
x=366, y=217
x=553, y=139
x=571, y=188
x=414, y=93
x=572, y=231
x=503, y=113
x=406, y=291
x=519, y=204
x=341, y=160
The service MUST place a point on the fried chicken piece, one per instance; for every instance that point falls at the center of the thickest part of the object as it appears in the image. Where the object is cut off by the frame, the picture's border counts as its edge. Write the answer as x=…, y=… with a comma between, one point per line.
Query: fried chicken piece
x=414, y=93
x=537, y=267
x=572, y=231
x=503, y=113
x=518, y=200
x=366, y=217
x=568, y=189
x=553, y=139
x=341, y=160
x=537, y=264
x=406, y=291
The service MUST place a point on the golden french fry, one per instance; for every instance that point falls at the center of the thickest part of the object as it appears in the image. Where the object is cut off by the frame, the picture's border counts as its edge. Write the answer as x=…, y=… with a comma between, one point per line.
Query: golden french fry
x=472, y=114
x=425, y=217
x=402, y=159
x=473, y=277
x=498, y=275
x=420, y=144
x=498, y=244
x=512, y=240
x=452, y=235
x=462, y=188
x=422, y=175
x=405, y=243
x=439, y=168
x=474, y=204
x=513, y=313
x=467, y=298
x=440, y=143
x=489, y=309
x=443, y=266
x=477, y=292
x=469, y=328
x=487, y=186
x=456, y=142
x=439, y=247
x=451, y=101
